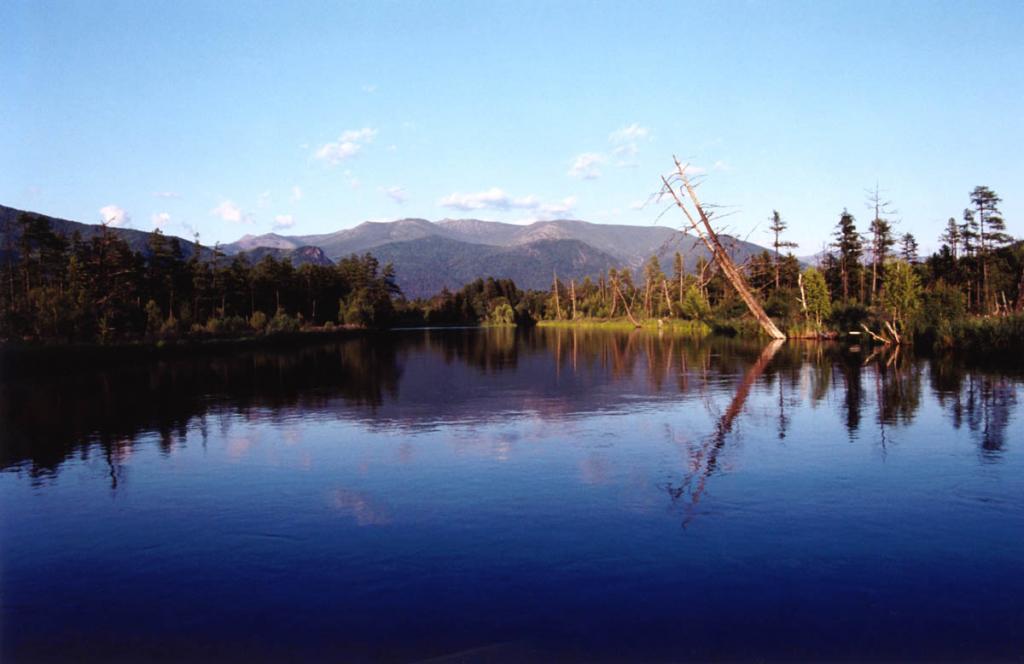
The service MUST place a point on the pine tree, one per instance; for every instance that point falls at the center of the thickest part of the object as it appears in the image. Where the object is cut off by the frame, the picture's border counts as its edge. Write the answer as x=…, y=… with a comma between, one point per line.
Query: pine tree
x=777, y=227
x=908, y=248
x=991, y=230
x=881, y=236
x=951, y=237
x=848, y=243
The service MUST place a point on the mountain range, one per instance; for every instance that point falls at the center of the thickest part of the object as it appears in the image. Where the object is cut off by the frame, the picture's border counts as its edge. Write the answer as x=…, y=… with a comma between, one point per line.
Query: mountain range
x=429, y=256
x=449, y=253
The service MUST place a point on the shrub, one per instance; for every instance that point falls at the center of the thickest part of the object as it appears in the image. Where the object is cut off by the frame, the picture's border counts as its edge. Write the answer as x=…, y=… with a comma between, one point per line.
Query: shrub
x=282, y=322
x=258, y=322
x=694, y=305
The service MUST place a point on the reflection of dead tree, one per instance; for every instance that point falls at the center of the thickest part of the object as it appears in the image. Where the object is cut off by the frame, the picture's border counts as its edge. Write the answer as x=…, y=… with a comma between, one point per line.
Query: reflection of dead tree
x=710, y=239
x=706, y=458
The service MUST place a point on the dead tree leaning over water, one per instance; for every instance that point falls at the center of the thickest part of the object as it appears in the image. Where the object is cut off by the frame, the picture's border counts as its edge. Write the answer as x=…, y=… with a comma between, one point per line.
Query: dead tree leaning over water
x=710, y=239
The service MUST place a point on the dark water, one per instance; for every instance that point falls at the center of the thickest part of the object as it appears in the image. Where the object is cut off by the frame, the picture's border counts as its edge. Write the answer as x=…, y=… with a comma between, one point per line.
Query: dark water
x=504, y=497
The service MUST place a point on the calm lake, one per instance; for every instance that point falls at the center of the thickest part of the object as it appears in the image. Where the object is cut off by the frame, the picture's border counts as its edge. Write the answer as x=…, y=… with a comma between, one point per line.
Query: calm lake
x=494, y=495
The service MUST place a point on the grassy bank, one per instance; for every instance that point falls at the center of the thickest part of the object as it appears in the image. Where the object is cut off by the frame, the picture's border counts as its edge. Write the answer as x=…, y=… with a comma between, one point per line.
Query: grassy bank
x=977, y=335
x=674, y=325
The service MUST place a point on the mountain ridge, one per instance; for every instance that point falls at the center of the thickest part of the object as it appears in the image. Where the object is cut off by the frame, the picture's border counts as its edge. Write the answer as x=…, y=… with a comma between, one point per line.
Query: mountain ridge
x=429, y=256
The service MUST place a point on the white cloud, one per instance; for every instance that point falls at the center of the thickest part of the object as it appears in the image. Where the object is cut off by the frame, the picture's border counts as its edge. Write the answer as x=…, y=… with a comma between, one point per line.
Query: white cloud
x=494, y=198
x=161, y=220
x=629, y=134
x=497, y=199
x=228, y=211
x=347, y=146
x=637, y=205
x=587, y=166
x=370, y=88
x=624, y=143
x=625, y=150
x=364, y=135
x=296, y=193
x=335, y=153
x=559, y=208
x=396, y=193
x=263, y=199
x=721, y=166
x=114, y=215
x=166, y=194
x=282, y=221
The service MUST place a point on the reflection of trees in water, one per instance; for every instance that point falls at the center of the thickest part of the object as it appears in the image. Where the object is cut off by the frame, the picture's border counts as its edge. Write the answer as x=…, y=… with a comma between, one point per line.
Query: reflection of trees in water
x=899, y=396
x=490, y=352
x=704, y=458
x=983, y=402
x=44, y=420
x=853, y=395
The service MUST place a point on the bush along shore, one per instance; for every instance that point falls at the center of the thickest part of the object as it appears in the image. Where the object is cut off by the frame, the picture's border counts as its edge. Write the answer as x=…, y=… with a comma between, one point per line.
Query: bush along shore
x=871, y=287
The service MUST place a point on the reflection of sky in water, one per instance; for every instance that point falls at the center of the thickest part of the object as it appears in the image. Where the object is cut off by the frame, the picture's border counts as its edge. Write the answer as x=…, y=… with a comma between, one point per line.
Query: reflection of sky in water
x=429, y=498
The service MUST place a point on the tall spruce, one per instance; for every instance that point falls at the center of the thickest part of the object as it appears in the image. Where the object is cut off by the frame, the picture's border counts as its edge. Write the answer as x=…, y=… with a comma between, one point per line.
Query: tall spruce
x=991, y=231
x=777, y=227
x=850, y=249
x=882, y=239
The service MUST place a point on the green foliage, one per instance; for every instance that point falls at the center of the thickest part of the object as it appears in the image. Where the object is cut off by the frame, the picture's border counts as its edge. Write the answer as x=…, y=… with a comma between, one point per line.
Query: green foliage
x=154, y=318
x=943, y=308
x=502, y=314
x=849, y=317
x=103, y=289
x=845, y=269
x=258, y=321
x=694, y=305
x=783, y=303
x=819, y=302
x=283, y=323
x=901, y=294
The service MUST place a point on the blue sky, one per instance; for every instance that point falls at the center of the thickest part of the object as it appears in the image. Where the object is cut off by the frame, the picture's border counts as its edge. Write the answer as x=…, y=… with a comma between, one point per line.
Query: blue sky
x=232, y=118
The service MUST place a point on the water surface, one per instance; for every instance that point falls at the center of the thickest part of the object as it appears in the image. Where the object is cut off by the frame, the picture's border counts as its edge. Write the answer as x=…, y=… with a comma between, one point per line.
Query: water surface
x=500, y=496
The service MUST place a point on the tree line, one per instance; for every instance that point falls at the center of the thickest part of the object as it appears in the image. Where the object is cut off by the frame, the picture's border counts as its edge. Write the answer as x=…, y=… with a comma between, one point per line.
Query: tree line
x=100, y=290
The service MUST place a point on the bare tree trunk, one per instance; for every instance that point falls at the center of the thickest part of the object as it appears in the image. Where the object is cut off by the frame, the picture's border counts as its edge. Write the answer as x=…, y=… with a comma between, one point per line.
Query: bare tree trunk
x=625, y=305
x=1020, y=292
x=711, y=241
x=803, y=294
x=572, y=290
x=558, y=309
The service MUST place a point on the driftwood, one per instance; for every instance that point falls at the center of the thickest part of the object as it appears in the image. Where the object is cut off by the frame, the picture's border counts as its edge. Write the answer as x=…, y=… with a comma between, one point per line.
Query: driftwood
x=710, y=239
x=894, y=337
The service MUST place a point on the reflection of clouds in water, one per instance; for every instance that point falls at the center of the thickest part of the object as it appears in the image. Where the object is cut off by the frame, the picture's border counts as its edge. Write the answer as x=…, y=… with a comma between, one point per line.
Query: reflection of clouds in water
x=239, y=446
x=406, y=453
x=595, y=469
x=359, y=505
x=496, y=445
x=291, y=435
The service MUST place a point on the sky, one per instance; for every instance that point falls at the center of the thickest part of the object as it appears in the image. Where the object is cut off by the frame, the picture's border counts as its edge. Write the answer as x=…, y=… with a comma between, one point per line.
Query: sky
x=230, y=118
